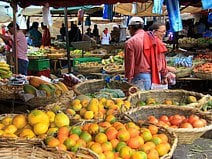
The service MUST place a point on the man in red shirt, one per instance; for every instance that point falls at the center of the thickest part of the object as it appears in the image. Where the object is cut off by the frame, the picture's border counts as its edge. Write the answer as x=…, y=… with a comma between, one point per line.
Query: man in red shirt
x=142, y=57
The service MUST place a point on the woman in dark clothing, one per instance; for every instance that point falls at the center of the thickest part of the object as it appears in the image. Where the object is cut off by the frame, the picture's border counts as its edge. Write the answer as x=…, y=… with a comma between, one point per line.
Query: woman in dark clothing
x=74, y=34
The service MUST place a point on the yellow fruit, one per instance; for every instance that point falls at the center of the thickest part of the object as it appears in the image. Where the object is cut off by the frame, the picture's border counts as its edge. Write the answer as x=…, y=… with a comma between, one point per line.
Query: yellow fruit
x=1, y=126
x=6, y=120
x=84, y=102
x=88, y=115
x=82, y=111
x=52, y=131
x=75, y=102
x=93, y=128
x=11, y=129
x=77, y=107
x=51, y=115
x=40, y=128
x=71, y=111
x=37, y=116
x=94, y=101
x=61, y=120
x=127, y=104
x=101, y=138
x=92, y=107
x=19, y=121
x=9, y=135
x=125, y=152
x=27, y=133
x=1, y=132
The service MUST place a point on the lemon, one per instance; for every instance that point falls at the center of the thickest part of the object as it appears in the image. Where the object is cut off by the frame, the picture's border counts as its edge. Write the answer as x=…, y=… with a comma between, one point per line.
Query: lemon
x=61, y=120
x=19, y=121
x=51, y=115
x=37, y=116
x=40, y=128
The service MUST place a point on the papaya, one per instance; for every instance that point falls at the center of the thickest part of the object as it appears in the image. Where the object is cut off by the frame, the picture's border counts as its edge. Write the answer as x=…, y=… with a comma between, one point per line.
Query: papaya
x=29, y=89
x=47, y=89
x=36, y=81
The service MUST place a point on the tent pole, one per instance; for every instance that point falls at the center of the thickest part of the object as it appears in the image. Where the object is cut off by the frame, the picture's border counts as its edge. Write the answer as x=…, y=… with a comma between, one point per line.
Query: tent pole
x=15, y=53
x=67, y=39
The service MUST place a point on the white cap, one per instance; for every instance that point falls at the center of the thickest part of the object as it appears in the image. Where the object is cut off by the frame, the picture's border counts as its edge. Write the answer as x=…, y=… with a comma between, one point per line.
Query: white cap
x=136, y=21
x=115, y=26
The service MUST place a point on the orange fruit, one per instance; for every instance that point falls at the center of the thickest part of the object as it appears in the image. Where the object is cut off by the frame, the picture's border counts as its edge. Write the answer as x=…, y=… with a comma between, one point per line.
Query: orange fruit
x=86, y=127
x=76, y=130
x=123, y=135
x=82, y=112
x=131, y=125
x=84, y=102
x=63, y=131
x=147, y=147
x=153, y=129
x=109, y=155
x=81, y=143
x=93, y=128
x=89, y=144
x=62, y=138
x=110, y=118
x=61, y=147
x=153, y=154
x=114, y=142
x=111, y=133
x=100, y=138
x=135, y=142
x=120, y=145
x=162, y=149
x=101, y=156
x=69, y=143
x=156, y=140
x=163, y=137
x=74, y=137
x=138, y=155
x=96, y=147
x=133, y=132
x=53, y=142
x=109, y=103
x=89, y=115
x=125, y=152
x=147, y=136
x=105, y=124
x=107, y=146
x=85, y=136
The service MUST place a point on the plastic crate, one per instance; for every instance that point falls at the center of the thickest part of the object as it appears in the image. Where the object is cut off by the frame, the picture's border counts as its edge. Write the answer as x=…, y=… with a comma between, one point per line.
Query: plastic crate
x=38, y=65
x=77, y=61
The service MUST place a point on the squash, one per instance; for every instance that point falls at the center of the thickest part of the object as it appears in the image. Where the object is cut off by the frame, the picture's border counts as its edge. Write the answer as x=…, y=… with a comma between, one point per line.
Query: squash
x=36, y=81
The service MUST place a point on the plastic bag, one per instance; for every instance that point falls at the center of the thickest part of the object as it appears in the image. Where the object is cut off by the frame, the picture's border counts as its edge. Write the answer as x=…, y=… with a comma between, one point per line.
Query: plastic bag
x=159, y=86
x=47, y=18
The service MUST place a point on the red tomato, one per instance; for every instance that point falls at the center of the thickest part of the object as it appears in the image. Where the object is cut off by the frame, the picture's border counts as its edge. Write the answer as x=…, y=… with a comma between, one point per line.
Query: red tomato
x=186, y=125
x=164, y=118
x=198, y=124
x=192, y=118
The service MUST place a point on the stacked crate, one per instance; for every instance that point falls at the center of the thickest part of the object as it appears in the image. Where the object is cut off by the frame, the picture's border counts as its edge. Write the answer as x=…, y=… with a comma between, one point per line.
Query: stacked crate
x=39, y=67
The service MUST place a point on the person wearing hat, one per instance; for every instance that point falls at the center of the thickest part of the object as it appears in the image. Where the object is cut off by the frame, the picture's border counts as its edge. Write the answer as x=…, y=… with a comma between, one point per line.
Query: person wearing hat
x=142, y=57
x=21, y=47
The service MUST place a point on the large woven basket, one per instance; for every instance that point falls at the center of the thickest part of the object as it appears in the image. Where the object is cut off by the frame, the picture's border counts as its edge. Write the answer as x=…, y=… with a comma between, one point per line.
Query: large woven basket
x=31, y=153
x=204, y=76
x=178, y=96
x=20, y=142
x=9, y=91
x=83, y=69
x=39, y=102
x=185, y=135
x=93, y=86
x=183, y=72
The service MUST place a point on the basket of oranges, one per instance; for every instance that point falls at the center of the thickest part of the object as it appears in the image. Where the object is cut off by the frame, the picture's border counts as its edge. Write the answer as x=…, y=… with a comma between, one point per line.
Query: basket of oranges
x=187, y=123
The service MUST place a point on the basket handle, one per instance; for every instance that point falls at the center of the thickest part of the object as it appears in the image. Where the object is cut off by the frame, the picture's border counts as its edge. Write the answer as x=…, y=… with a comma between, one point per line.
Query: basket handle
x=133, y=90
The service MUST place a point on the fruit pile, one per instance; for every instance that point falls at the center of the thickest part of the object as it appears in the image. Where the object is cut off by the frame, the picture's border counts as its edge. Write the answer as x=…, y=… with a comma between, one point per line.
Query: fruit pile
x=94, y=108
x=50, y=89
x=152, y=101
x=205, y=68
x=113, y=140
x=36, y=124
x=178, y=121
x=5, y=70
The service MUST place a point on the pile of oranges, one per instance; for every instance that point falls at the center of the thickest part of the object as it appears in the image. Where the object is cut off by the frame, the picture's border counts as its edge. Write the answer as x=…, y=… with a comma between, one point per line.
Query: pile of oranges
x=113, y=140
x=178, y=121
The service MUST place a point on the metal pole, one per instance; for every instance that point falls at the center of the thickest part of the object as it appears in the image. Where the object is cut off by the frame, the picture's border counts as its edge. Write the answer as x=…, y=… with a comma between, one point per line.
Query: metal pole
x=67, y=39
x=14, y=6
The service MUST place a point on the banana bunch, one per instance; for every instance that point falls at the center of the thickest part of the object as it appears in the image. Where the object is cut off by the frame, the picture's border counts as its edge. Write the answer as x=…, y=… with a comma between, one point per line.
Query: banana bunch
x=5, y=70
x=183, y=61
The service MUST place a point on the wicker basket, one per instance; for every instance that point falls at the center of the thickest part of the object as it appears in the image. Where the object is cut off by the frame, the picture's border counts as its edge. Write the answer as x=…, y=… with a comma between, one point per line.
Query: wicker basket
x=185, y=135
x=183, y=72
x=31, y=153
x=114, y=70
x=20, y=142
x=9, y=92
x=204, y=76
x=39, y=102
x=93, y=86
x=94, y=69
x=176, y=96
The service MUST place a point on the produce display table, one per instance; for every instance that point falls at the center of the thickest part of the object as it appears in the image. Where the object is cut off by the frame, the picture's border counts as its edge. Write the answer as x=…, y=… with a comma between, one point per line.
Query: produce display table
x=200, y=149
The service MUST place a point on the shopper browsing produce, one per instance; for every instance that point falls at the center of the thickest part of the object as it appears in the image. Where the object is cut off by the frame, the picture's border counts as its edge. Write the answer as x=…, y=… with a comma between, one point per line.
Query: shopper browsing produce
x=144, y=56
x=21, y=47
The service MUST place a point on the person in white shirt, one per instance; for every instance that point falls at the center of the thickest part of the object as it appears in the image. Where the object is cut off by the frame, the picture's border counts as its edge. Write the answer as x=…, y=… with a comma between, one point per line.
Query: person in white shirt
x=105, y=39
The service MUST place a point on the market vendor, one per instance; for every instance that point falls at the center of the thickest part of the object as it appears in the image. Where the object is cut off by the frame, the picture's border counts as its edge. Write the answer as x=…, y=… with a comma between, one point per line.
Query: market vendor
x=144, y=56
x=21, y=47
